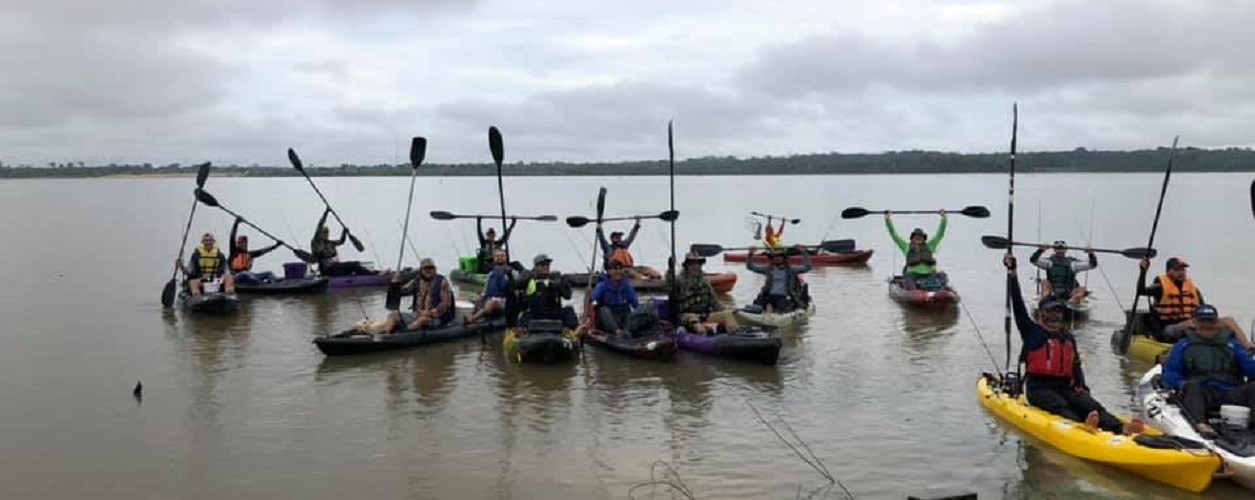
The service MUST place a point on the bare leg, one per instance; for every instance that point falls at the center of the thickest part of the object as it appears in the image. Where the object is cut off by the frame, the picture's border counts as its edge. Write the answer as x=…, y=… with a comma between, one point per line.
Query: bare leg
x=193, y=285
x=1044, y=289
x=1078, y=295
x=228, y=283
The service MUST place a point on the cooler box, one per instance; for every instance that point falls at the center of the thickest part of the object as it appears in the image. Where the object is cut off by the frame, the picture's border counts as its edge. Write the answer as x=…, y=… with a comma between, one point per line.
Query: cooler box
x=468, y=265
x=294, y=270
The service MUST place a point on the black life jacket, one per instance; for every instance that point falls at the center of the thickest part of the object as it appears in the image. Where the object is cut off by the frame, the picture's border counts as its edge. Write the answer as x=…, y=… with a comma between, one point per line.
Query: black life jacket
x=1211, y=359
x=1061, y=276
x=919, y=254
x=544, y=298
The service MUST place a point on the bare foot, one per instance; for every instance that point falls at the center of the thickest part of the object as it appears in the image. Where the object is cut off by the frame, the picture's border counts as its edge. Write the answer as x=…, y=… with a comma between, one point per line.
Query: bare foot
x=1206, y=431
x=1135, y=426
x=1091, y=420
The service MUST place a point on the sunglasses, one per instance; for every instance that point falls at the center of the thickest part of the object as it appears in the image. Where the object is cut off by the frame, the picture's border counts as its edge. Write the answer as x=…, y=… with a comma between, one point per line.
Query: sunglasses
x=429, y=268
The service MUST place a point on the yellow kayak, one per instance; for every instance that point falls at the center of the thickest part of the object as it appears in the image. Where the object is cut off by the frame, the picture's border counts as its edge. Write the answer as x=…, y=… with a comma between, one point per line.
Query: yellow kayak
x=1142, y=346
x=1190, y=470
x=541, y=345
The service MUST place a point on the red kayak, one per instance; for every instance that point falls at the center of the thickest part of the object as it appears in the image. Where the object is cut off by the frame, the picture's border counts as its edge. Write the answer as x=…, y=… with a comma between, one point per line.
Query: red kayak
x=856, y=257
x=936, y=300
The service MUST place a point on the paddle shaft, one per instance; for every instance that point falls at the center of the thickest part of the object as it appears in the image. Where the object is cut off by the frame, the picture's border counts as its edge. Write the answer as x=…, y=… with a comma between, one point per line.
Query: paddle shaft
x=1006, y=314
x=186, y=230
x=1095, y=250
x=1125, y=335
x=324, y=201
x=254, y=226
x=405, y=229
x=672, y=305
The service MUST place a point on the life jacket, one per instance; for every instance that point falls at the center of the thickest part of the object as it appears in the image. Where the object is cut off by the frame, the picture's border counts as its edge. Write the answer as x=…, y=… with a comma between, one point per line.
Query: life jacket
x=622, y=256
x=241, y=262
x=207, y=262
x=1061, y=276
x=694, y=295
x=431, y=296
x=919, y=254
x=544, y=298
x=1211, y=359
x=324, y=251
x=1056, y=358
x=772, y=241
x=1177, y=303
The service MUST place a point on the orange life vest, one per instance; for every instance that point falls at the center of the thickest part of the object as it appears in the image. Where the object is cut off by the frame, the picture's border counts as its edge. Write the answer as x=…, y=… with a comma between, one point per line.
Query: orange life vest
x=1176, y=304
x=241, y=262
x=622, y=256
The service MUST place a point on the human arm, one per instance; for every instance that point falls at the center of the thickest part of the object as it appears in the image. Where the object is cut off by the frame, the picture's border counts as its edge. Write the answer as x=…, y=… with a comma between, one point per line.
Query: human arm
x=1037, y=260
x=636, y=228
x=1154, y=290
x=1030, y=333
x=902, y=244
x=941, y=232
x=479, y=231
x=322, y=221
x=508, y=231
x=1174, y=367
x=263, y=251
x=806, y=261
x=1244, y=358
x=234, y=230
x=1084, y=265
x=564, y=286
x=601, y=241
x=753, y=266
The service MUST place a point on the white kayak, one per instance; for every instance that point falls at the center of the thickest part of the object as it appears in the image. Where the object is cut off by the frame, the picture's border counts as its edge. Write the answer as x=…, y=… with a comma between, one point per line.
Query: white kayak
x=1237, y=451
x=753, y=315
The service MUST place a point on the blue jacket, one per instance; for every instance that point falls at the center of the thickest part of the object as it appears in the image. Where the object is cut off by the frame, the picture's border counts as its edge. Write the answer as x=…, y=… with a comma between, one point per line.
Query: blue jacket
x=621, y=298
x=498, y=284
x=1174, y=375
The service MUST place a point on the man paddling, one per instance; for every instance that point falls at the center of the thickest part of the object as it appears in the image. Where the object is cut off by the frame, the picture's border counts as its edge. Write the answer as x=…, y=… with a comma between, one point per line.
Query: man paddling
x=920, y=266
x=617, y=250
x=241, y=258
x=698, y=303
x=206, y=264
x=1210, y=368
x=1061, y=271
x=1054, y=380
x=783, y=290
x=1174, y=298
x=324, y=249
x=492, y=301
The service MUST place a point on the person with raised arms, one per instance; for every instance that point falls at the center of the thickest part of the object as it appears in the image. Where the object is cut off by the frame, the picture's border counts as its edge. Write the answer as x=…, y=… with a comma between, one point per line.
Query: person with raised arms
x=919, y=250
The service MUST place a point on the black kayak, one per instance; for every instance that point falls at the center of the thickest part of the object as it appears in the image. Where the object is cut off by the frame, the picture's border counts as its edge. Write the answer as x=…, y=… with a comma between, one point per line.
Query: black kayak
x=657, y=347
x=353, y=342
x=297, y=286
x=212, y=304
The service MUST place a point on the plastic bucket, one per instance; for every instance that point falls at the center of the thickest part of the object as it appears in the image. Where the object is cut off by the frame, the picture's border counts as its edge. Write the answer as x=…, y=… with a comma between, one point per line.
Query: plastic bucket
x=294, y=270
x=1235, y=416
x=210, y=286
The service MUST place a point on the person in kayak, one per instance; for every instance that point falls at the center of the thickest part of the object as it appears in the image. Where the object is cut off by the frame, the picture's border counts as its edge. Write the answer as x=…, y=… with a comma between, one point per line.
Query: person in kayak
x=543, y=292
x=324, y=249
x=614, y=298
x=772, y=238
x=698, y=303
x=1054, y=380
x=921, y=266
x=500, y=278
x=1061, y=272
x=488, y=243
x=1210, y=368
x=432, y=305
x=206, y=264
x=241, y=259
x=1174, y=298
x=783, y=291
x=617, y=250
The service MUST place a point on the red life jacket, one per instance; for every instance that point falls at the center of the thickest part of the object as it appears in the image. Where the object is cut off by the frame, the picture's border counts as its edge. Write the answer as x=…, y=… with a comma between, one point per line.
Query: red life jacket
x=1055, y=358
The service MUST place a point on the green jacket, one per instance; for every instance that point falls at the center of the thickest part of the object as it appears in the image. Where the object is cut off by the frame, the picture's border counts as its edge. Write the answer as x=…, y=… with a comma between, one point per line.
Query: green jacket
x=905, y=246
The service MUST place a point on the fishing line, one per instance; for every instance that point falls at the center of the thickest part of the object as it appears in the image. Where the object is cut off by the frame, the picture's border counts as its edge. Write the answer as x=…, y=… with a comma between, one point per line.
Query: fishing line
x=1103, y=272
x=414, y=249
x=980, y=337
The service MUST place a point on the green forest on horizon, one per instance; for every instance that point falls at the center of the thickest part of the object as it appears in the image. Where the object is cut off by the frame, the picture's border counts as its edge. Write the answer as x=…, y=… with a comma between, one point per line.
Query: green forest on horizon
x=896, y=162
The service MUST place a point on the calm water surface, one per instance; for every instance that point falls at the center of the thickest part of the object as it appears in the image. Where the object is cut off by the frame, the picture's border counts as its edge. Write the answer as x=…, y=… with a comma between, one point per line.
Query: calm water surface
x=246, y=407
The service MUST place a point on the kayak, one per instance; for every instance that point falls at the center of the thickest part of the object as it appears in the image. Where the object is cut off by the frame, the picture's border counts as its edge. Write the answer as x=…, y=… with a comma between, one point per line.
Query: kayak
x=285, y=287
x=746, y=344
x=821, y=258
x=937, y=300
x=549, y=344
x=721, y=282
x=753, y=315
x=656, y=347
x=465, y=278
x=1179, y=464
x=1236, y=447
x=369, y=280
x=1142, y=346
x=1076, y=312
x=212, y=304
x=352, y=342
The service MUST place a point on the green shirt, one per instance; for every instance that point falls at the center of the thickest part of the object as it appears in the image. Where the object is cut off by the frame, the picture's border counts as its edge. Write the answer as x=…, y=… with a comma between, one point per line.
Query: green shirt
x=905, y=245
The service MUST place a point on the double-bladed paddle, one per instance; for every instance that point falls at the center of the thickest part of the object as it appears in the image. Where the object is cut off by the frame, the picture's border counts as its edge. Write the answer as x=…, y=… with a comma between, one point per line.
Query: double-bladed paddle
x=442, y=215
x=208, y=199
x=300, y=167
x=975, y=211
x=780, y=217
x=167, y=292
x=709, y=249
x=418, y=151
x=1120, y=341
x=581, y=221
x=1253, y=197
x=1000, y=243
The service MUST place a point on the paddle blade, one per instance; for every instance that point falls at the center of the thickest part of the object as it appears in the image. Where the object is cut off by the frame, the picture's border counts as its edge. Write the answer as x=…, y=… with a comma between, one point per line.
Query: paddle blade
x=206, y=198
x=854, y=213
x=167, y=294
x=577, y=221
x=357, y=243
x=1253, y=198
x=547, y=218
x=837, y=246
x=296, y=160
x=392, y=301
x=601, y=203
x=705, y=249
x=418, y=151
x=976, y=211
x=995, y=242
x=438, y=215
x=795, y=221
x=305, y=257
x=669, y=215
x=202, y=174
x=1139, y=253
x=495, y=145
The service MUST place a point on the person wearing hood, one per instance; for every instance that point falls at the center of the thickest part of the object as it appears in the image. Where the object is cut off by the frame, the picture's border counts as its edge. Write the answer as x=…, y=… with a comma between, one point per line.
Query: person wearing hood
x=919, y=251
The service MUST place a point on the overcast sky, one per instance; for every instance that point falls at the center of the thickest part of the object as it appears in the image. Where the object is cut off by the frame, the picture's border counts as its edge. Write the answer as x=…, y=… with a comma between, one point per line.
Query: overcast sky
x=239, y=81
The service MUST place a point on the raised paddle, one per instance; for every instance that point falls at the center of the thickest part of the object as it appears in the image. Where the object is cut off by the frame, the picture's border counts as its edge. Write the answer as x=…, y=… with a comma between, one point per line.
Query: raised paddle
x=167, y=292
x=1120, y=342
x=418, y=150
x=781, y=217
x=1000, y=243
x=1006, y=304
x=300, y=167
x=208, y=199
x=442, y=215
x=709, y=249
x=496, y=146
x=673, y=292
x=592, y=265
x=975, y=211
x=1253, y=197
x=581, y=221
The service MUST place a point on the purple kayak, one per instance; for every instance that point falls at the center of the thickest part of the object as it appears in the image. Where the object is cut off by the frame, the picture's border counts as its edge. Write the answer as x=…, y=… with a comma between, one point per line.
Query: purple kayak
x=368, y=280
x=746, y=345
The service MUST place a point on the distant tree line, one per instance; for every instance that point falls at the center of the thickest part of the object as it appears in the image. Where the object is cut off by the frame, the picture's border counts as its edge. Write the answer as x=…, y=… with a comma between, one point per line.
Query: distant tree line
x=896, y=162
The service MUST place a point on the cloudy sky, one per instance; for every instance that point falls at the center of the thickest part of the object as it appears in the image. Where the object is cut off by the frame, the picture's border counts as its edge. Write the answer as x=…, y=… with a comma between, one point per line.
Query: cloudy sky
x=575, y=80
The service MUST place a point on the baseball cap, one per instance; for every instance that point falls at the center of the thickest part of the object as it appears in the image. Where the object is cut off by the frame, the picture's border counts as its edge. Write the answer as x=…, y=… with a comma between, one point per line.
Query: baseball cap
x=1206, y=311
x=541, y=259
x=1060, y=244
x=426, y=262
x=1176, y=262
x=616, y=234
x=1052, y=303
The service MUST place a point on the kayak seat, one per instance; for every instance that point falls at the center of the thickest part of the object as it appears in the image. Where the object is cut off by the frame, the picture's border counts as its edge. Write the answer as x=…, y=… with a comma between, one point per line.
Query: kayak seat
x=544, y=326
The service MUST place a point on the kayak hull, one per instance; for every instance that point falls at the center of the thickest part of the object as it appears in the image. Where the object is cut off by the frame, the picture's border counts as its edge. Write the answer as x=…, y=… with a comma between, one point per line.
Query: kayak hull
x=368, y=280
x=855, y=258
x=776, y=321
x=352, y=342
x=654, y=347
x=753, y=345
x=540, y=347
x=465, y=278
x=720, y=282
x=938, y=300
x=1190, y=470
x=210, y=304
x=301, y=286
x=1142, y=346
